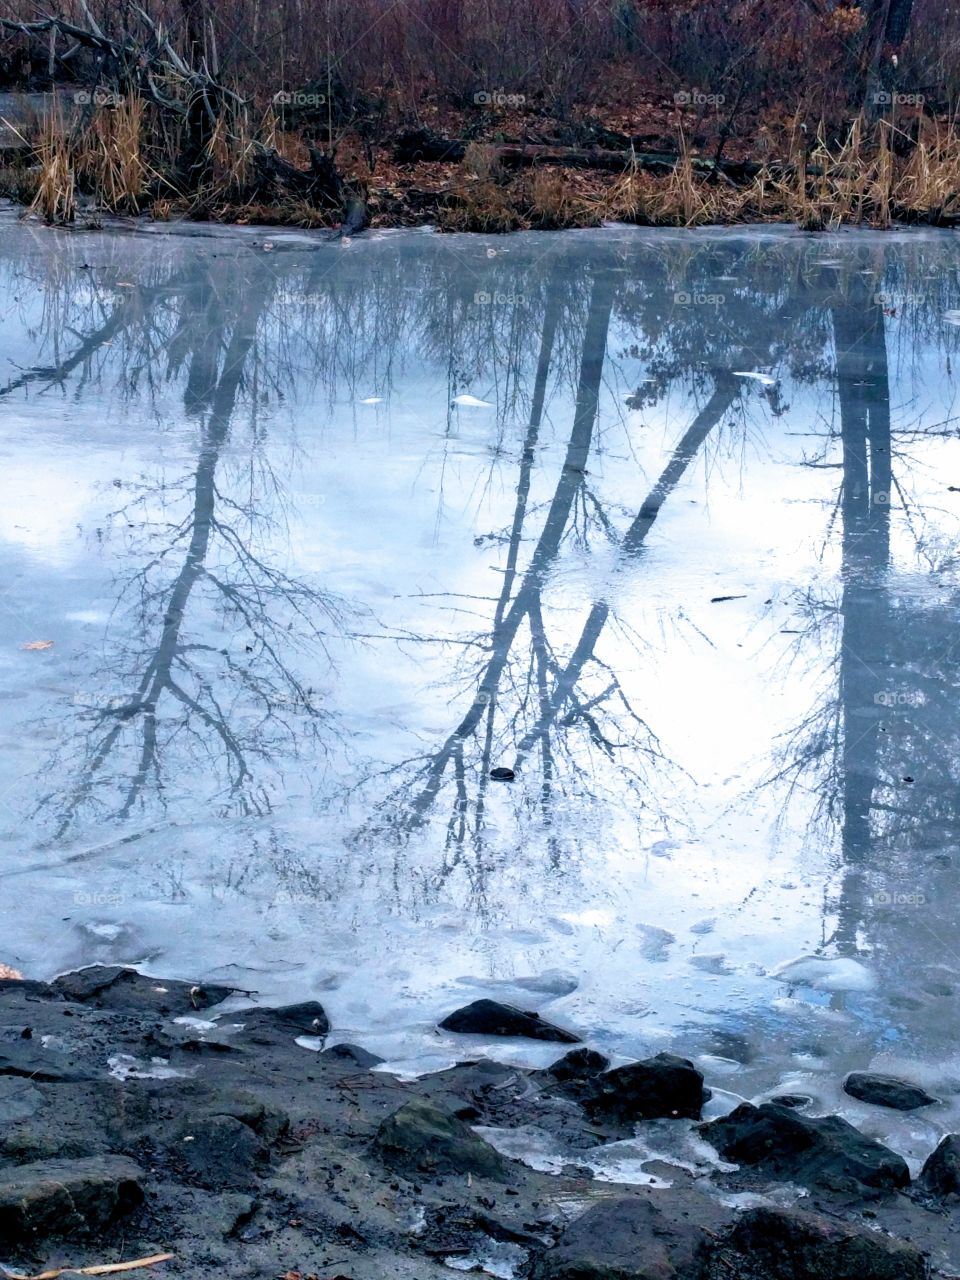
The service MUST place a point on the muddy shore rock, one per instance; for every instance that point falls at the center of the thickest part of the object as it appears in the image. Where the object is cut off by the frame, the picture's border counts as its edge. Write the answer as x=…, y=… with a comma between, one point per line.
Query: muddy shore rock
x=421, y=1138
x=491, y=1018
x=246, y=1154
x=940, y=1174
x=821, y=1151
x=635, y=1238
x=886, y=1091
x=787, y=1244
x=66, y=1197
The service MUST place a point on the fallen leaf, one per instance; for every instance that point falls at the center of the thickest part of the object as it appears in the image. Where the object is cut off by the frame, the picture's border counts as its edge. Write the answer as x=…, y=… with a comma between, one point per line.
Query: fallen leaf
x=37, y=644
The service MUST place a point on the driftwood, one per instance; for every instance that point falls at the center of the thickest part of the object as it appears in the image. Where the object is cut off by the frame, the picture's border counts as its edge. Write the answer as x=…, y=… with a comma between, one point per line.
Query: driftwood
x=415, y=145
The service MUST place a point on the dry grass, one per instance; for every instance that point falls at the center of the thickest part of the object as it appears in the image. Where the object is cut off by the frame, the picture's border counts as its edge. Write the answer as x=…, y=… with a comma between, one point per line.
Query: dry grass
x=56, y=193
x=108, y=156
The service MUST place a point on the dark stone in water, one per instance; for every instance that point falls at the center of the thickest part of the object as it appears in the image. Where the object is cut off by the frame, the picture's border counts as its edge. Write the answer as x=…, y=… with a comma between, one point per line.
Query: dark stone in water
x=502, y=774
x=578, y=1064
x=825, y=1150
x=305, y=1019
x=788, y=1244
x=352, y=1055
x=940, y=1174
x=886, y=1091
x=66, y=1197
x=663, y=1086
x=422, y=1138
x=116, y=987
x=794, y=1100
x=491, y=1018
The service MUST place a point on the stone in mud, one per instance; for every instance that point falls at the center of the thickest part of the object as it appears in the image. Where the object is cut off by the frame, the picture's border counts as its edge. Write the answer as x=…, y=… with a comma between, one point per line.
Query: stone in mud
x=886, y=1091
x=824, y=1150
x=26, y=1058
x=788, y=1244
x=421, y=1138
x=305, y=1019
x=120, y=988
x=633, y=1238
x=662, y=1086
x=940, y=1174
x=350, y=1055
x=491, y=1018
x=220, y=1151
x=268, y=1121
x=66, y=1197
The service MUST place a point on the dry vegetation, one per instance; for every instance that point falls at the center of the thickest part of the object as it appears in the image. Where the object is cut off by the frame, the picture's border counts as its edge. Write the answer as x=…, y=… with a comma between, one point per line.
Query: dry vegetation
x=276, y=112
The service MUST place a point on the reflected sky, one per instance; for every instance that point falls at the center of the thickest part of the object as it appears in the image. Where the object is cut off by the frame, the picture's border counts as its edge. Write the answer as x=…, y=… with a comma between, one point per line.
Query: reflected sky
x=322, y=534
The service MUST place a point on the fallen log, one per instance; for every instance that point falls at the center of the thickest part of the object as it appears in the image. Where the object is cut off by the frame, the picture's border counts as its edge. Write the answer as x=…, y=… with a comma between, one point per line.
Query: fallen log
x=415, y=145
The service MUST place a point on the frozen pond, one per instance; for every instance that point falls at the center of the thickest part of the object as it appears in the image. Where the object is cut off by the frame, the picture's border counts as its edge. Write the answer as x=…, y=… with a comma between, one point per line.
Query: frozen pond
x=300, y=540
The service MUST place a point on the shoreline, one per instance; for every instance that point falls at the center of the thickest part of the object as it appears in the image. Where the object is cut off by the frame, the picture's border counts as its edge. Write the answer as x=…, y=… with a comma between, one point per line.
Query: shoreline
x=137, y=1121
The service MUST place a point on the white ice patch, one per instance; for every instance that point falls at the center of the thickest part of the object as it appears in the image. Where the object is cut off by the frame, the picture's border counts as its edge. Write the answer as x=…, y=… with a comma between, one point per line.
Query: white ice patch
x=471, y=402
x=823, y=973
x=125, y=1067
x=763, y=378
x=952, y=316
x=494, y=1258
x=372, y=400
x=612, y=1162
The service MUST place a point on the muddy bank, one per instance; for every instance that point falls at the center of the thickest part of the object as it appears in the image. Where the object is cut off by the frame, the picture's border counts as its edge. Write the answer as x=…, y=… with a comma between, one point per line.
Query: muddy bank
x=141, y=1117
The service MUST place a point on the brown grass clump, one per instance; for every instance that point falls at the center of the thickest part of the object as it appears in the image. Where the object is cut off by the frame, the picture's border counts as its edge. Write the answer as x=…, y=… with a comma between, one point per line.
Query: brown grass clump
x=56, y=194
x=553, y=202
x=108, y=156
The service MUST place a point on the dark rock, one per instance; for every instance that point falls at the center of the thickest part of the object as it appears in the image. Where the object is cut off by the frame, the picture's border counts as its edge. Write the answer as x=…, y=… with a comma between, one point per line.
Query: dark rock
x=220, y=1151
x=420, y=1138
x=578, y=1064
x=491, y=1018
x=502, y=774
x=116, y=987
x=66, y=1197
x=633, y=1238
x=23, y=1058
x=350, y=1054
x=795, y=1100
x=305, y=1019
x=787, y=1244
x=886, y=1091
x=940, y=1174
x=28, y=988
x=269, y=1122
x=823, y=1150
x=661, y=1086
